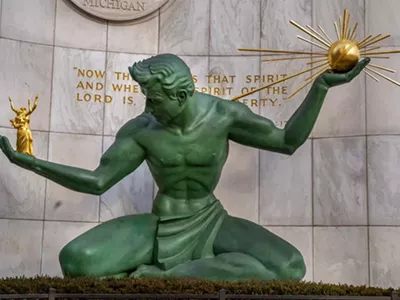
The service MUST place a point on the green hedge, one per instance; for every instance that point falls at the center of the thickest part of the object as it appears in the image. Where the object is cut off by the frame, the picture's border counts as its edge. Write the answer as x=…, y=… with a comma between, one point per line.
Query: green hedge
x=37, y=285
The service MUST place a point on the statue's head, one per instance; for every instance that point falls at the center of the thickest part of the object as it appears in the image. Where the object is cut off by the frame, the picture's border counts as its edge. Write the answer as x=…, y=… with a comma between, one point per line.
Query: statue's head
x=166, y=82
x=22, y=109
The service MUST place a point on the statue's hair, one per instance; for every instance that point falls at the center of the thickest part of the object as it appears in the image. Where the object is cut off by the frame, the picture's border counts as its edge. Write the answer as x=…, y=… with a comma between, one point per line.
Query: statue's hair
x=169, y=70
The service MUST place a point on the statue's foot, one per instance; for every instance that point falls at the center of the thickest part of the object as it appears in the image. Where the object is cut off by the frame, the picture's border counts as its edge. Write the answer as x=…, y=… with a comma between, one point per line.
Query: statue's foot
x=148, y=271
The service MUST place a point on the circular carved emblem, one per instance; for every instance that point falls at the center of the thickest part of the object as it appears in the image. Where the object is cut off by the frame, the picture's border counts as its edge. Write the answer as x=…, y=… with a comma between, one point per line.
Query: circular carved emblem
x=119, y=10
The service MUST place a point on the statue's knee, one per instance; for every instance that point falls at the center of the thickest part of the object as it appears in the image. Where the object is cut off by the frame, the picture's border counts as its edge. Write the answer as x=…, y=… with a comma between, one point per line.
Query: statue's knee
x=294, y=268
x=73, y=260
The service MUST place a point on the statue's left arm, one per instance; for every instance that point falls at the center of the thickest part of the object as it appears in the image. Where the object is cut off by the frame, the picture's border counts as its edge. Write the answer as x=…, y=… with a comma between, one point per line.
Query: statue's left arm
x=256, y=131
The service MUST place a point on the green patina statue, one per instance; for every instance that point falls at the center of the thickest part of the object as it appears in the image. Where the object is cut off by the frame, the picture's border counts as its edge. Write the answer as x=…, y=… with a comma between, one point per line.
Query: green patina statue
x=183, y=136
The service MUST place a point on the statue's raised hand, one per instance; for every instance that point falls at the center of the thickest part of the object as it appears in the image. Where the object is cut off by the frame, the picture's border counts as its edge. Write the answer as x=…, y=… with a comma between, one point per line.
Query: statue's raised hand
x=330, y=79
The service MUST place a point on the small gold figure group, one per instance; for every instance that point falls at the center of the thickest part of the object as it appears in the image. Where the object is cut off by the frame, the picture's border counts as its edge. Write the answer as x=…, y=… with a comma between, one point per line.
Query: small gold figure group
x=22, y=123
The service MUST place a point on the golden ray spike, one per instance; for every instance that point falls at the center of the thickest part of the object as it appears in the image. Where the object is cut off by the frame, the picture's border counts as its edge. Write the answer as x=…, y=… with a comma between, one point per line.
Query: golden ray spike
x=370, y=75
x=364, y=44
x=325, y=34
x=346, y=17
x=283, y=51
x=352, y=34
x=311, y=79
x=382, y=68
x=288, y=58
x=337, y=31
x=363, y=40
x=381, y=52
x=383, y=76
x=316, y=61
x=276, y=82
x=318, y=34
x=312, y=43
x=309, y=33
x=340, y=29
x=376, y=41
x=365, y=50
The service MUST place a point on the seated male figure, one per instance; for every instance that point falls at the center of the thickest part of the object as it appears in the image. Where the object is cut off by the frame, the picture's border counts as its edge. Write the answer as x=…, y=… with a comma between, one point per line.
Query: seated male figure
x=183, y=135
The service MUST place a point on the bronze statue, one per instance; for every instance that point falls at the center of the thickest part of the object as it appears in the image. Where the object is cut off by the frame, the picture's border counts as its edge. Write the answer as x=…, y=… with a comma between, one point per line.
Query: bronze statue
x=22, y=123
x=183, y=135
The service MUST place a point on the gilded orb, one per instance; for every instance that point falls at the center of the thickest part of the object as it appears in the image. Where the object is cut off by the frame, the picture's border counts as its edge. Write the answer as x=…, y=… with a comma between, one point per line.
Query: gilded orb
x=343, y=55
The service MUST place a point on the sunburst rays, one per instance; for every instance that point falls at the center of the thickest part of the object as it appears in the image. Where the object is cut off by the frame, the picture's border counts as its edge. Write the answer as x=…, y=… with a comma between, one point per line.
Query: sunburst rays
x=336, y=56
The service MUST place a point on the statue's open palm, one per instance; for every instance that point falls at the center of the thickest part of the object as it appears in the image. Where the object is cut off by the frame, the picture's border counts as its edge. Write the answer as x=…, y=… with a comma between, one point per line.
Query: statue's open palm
x=332, y=79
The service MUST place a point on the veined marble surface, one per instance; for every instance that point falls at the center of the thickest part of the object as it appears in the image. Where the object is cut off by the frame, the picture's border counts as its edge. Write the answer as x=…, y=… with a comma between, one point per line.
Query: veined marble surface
x=82, y=151
x=234, y=24
x=340, y=181
x=26, y=71
x=38, y=20
x=341, y=255
x=185, y=28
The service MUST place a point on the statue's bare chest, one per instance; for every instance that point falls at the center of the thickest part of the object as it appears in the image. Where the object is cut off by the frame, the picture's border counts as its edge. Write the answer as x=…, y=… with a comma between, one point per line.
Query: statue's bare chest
x=196, y=149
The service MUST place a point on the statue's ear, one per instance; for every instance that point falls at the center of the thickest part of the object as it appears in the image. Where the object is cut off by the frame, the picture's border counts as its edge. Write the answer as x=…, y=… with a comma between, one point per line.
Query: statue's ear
x=182, y=96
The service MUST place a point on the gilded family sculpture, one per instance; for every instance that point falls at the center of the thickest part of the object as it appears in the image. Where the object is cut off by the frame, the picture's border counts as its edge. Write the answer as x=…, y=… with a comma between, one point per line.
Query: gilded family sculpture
x=183, y=135
x=22, y=123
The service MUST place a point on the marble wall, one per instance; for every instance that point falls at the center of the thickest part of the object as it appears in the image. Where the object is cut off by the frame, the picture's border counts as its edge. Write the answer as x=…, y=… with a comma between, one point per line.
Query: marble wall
x=337, y=198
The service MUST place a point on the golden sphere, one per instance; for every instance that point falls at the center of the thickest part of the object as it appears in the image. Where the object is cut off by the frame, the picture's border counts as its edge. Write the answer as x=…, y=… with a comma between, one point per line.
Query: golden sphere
x=343, y=55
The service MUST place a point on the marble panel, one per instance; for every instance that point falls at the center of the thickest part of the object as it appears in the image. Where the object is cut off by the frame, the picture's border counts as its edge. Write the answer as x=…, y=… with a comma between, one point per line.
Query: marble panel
x=239, y=184
x=134, y=38
x=26, y=72
x=78, y=30
x=184, y=28
x=343, y=112
x=20, y=247
x=384, y=250
x=56, y=236
x=281, y=34
x=341, y=255
x=280, y=205
x=383, y=19
x=22, y=192
x=340, y=181
x=234, y=24
x=0, y=16
x=132, y=195
x=232, y=76
x=82, y=151
x=383, y=180
x=127, y=101
x=382, y=98
x=28, y=20
x=78, y=91
x=301, y=238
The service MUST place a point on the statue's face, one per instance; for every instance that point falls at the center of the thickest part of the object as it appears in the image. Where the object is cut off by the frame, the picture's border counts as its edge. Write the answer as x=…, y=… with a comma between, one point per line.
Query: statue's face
x=23, y=109
x=160, y=105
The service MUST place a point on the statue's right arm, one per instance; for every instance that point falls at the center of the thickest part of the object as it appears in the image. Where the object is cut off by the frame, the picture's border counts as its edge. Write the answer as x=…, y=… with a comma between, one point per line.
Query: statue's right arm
x=121, y=159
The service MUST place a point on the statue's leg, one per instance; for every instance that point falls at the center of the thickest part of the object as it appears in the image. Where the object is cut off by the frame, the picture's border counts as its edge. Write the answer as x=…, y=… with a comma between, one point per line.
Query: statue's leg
x=113, y=248
x=275, y=254
x=244, y=251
